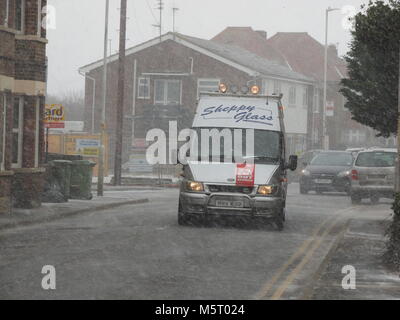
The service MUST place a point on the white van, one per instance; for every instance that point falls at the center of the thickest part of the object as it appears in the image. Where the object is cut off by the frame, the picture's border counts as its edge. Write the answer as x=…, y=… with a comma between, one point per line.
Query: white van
x=248, y=184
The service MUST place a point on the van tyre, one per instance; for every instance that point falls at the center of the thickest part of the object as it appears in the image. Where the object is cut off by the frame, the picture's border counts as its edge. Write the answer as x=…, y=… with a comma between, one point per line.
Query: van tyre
x=374, y=199
x=303, y=190
x=355, y=199
x=279, y=220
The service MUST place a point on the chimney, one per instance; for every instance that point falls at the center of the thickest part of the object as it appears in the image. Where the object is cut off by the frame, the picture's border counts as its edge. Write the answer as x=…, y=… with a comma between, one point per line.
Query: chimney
x=262, y=33
x=332, y=51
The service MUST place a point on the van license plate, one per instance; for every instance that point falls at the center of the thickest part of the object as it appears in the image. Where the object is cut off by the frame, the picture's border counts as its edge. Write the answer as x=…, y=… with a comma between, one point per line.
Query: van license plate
x=229, y=204
x=323, y=181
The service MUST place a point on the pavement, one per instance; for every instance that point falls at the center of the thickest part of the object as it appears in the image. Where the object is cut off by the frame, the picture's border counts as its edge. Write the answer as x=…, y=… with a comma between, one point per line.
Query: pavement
x=361, y=246
x=52, y=211
x=140, y=252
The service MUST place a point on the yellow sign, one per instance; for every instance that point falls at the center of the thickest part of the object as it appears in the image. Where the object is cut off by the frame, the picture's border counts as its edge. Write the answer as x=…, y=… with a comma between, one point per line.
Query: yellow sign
x=54, y=113
x=92, y=152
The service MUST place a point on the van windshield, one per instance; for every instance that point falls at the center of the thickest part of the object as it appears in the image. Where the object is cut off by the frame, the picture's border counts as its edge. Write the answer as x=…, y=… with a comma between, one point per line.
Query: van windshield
x=376, y=159
x=260, y=146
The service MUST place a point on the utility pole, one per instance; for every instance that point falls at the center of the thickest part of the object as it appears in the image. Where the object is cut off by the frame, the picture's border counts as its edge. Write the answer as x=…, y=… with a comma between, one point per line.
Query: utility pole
x=120, y=100
x=397, y=181
x=100, y=176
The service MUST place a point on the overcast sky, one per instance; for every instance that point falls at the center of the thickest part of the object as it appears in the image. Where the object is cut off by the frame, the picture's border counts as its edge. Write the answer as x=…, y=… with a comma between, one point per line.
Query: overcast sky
x=78, y=35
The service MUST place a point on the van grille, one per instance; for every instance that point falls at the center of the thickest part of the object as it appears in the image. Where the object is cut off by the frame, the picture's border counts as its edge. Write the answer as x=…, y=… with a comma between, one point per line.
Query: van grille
x=230, y=189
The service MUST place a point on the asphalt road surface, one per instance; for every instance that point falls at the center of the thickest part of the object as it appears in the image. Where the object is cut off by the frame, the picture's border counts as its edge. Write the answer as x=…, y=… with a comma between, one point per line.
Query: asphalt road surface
x=140, y=252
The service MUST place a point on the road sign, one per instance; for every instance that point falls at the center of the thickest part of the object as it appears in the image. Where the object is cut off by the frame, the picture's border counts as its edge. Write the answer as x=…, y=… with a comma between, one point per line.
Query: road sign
x=330, y=108
x=54, y=116
x=88, y=147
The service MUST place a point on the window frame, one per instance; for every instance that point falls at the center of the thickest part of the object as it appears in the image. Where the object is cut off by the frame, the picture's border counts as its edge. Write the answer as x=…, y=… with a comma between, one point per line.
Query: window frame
x=4, y=134
x=39, y=19
x=139, y=85
x=292, y=93
x=37, y=132
x=6, y=14
x=206, y=79
x=23, y=7
x=306, y=99
x=19, y=131
x=277, y=87
x=166, y=81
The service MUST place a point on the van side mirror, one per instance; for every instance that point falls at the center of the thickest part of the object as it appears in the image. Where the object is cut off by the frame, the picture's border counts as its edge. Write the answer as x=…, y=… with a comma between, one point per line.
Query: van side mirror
x=292, y=164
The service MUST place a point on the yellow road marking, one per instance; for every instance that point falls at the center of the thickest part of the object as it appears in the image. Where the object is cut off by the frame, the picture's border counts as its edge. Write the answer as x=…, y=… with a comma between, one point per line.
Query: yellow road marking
x=299, y=252
x=289, y=279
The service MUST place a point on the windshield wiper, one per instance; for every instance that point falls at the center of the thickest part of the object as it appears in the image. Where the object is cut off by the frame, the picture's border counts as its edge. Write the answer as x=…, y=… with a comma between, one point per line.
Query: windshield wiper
x=273, y=159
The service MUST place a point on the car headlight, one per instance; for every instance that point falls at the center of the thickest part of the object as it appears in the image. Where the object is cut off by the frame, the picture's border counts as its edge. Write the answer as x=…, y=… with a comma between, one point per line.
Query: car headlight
x=267, y=190
x=344, y=174
x=194, y=186
x=305, y=172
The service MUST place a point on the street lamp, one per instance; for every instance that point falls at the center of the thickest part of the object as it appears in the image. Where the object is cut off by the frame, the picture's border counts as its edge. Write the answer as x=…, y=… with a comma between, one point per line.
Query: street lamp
x=324, y=131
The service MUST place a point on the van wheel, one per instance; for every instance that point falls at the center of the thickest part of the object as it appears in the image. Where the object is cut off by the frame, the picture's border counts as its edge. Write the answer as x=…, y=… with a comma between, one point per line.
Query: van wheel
x=303, y=190
x=182, y=219
x=374, y=199
x=355, y=199
x=279, y=224
x=279, y=220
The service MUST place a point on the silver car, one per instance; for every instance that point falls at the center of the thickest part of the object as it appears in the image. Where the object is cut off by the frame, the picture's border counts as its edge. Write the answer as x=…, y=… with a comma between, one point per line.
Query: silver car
x=372, y=175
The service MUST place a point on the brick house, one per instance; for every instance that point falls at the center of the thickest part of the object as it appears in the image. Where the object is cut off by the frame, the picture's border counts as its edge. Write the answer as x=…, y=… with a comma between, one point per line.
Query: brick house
x=303, y=54
x=22, y=97
x=164, y=77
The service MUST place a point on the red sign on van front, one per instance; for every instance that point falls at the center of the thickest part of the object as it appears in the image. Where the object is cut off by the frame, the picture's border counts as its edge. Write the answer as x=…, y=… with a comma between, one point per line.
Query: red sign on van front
x=245, y=174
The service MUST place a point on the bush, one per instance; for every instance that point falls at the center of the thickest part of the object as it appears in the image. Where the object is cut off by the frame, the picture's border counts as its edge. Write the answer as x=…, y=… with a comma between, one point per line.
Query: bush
x=392, y=255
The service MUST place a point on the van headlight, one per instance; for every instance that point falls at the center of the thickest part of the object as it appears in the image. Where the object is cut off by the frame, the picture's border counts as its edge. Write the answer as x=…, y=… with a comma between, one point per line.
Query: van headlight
x=305, y=172
x=267, y=190
x=194, y=186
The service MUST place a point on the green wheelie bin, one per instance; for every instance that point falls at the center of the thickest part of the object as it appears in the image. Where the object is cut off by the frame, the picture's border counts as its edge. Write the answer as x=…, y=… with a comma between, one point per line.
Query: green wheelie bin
x=61, y=173
x=81, y=179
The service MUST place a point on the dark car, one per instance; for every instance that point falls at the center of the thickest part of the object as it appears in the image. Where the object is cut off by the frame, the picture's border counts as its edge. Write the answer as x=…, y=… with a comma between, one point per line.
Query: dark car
x=328, y=171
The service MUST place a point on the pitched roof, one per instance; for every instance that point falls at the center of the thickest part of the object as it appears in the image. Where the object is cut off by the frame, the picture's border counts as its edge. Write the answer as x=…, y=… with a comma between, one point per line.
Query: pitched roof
x=306, y=55
x=233, y=55
x=248, y=59
x=247, y=38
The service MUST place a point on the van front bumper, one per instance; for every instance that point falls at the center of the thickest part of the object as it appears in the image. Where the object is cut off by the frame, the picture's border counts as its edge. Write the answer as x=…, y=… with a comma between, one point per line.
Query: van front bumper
x=204, y=205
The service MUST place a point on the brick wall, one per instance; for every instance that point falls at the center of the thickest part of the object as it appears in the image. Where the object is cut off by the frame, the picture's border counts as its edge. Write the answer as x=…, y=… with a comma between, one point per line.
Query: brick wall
x=23, y=57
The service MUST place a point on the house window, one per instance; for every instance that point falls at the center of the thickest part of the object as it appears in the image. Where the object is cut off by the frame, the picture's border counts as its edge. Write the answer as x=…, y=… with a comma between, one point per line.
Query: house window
x=305, y=97
x=17, y=131
x=37, y=132
x=354, y=137
x=6, y=11
x=167, y=92
x=207, y=85
x=277, y=87
x=3, y=115
x=144, y=88
x=20, y=15
x=39, y=22
x=316, y=102
x=292, y=96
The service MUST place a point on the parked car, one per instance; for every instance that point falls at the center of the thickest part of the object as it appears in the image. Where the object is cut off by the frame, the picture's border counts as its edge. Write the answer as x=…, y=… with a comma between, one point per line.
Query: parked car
x=328, y=171
x=372, y=175
x=355, y=151
x=306, y=157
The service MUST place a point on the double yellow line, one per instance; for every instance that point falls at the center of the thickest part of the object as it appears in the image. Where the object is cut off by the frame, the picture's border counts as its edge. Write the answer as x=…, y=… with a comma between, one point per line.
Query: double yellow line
x=306, y=251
